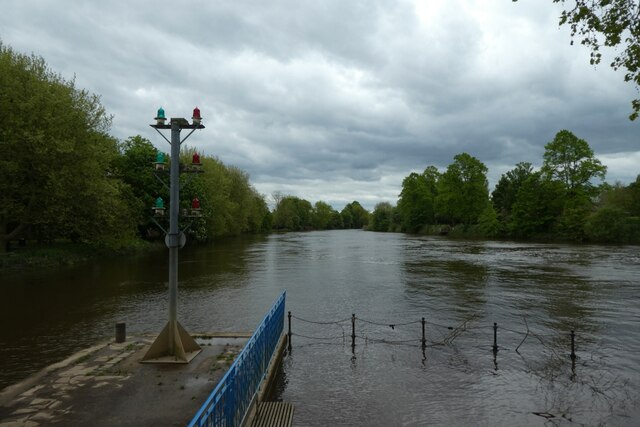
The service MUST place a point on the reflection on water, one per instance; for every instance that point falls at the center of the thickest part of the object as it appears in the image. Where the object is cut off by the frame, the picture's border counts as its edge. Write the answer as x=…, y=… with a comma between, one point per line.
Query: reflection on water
x=536, y=293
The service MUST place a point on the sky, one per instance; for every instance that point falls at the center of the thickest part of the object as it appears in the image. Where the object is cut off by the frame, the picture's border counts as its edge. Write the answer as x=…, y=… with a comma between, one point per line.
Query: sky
x=340, y=100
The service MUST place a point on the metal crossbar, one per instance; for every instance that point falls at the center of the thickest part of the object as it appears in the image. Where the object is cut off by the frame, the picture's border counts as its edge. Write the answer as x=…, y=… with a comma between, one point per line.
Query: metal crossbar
x=228, y=403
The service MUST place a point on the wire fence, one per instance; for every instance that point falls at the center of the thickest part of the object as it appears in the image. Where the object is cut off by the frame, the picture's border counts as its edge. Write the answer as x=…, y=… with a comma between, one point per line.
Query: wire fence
x=425, y=334
x=573, y=360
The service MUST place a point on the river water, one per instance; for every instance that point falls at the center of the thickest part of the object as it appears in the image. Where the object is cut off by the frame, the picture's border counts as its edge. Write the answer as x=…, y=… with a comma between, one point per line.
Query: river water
x=535, y=293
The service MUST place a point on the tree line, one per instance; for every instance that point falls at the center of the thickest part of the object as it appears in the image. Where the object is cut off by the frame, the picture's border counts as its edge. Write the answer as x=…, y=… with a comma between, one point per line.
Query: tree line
x=62, y=176
x=292, y=213
x=560, y=201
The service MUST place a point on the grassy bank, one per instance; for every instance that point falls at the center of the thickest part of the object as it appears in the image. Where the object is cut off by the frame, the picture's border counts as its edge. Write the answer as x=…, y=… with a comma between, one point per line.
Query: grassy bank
x=65, y=253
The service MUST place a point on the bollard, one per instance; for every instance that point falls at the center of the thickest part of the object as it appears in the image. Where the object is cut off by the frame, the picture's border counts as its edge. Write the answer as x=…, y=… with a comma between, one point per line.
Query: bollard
x=289, y=335
x=495, y=337
x=353, y=332
x=424, y=339
x=121, y=332
x=573, y=345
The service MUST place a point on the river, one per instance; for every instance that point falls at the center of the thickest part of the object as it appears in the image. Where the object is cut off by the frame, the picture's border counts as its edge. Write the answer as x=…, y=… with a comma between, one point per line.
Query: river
x=535, y=293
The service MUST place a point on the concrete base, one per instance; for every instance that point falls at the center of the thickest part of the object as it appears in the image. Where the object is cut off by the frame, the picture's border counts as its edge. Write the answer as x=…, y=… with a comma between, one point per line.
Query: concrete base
x=182, y=350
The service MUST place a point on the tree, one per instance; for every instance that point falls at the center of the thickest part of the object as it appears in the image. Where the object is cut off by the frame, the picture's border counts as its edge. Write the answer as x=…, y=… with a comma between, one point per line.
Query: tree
x=538, y=204
x=382, y=217
x=463, y=191
x=354, y=215
x=293, y=214
x=56, y=176
x=416, y=205
x=634, y=197
x=230, y=205
x=323, y=216
x=570, y=224
x=617, y=216
x=504, y=195
x=570, y=160
x=611, y=224
x=612, y=23
x=134, y=167
x=488, y=222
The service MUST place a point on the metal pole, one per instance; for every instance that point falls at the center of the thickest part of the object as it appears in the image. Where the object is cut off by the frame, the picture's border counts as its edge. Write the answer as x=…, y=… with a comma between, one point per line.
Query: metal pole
x=289, y=331
x=174, y=232
x=353, y=332
x=495, y=337
x=573, y=345
x=424, y=338
x=121, y=332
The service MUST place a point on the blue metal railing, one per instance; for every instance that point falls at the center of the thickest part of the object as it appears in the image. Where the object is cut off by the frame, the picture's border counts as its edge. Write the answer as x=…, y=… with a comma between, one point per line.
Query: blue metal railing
x=229, y=401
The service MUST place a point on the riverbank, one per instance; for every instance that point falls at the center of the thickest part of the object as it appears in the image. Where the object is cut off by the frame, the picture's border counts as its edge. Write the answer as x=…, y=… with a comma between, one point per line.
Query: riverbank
x=65, y=253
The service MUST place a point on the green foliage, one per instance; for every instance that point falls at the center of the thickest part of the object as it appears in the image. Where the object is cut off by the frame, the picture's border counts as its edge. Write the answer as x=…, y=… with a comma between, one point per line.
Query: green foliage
x=134, y=167
x=293, y=214
x=570, y=224
x=559, y=202
x=633, y=205
x=416, y=206
x=504, y=195
x=463, y=191
x=571, y=161
x=488, y=223
x=354, y=216
x=63, y=177
x=57, y=133
x=230, y=205
x=382, y=217
x=616, y=218
x=325, y=217
x=607, y=225
x=613, y=23
x=538, y=204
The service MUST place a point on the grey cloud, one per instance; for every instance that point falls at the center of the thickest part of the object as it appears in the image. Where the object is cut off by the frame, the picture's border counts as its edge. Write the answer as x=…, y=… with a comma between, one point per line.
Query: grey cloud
x=338, y=100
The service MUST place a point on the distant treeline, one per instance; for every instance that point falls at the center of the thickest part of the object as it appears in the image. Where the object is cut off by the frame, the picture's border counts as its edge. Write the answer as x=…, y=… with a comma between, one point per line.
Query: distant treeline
x=294, y=214
x=561, y=201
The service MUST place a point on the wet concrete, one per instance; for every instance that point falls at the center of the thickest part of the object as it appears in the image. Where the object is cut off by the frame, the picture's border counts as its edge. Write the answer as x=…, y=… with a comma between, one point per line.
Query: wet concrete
x=106, y=385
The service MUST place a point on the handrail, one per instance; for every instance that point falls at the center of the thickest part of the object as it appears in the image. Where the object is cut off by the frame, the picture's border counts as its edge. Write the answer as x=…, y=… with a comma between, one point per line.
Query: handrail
x=229, y=401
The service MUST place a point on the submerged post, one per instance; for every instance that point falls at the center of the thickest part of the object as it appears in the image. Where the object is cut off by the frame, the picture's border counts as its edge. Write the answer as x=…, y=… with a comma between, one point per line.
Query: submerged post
x=289, y=334
x=353, y=332
x=424, y=338
x=495, y=337
x=573, y=345
x=121, y=332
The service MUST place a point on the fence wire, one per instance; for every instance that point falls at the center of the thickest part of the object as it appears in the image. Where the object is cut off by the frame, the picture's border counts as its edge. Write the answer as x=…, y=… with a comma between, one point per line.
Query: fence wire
x=356, y=330
x=548, y=360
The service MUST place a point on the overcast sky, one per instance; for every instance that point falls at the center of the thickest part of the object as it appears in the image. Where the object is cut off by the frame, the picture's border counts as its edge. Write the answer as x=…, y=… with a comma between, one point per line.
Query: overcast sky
x=340, y=100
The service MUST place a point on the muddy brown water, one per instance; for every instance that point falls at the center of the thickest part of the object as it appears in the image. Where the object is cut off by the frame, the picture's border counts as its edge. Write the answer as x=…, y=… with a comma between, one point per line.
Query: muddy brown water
x=536, y=293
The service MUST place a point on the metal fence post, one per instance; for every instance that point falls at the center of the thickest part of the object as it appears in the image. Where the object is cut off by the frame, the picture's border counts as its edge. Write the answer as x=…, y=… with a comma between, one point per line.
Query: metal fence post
x=289, y=335
x=353, y=332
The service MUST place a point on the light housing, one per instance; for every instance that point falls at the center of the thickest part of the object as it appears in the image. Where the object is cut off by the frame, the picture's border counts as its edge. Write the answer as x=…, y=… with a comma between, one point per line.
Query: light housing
x=195, y=162
x=158, y=208
x=160, y=117
x=196, y=116
x=159, y=163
